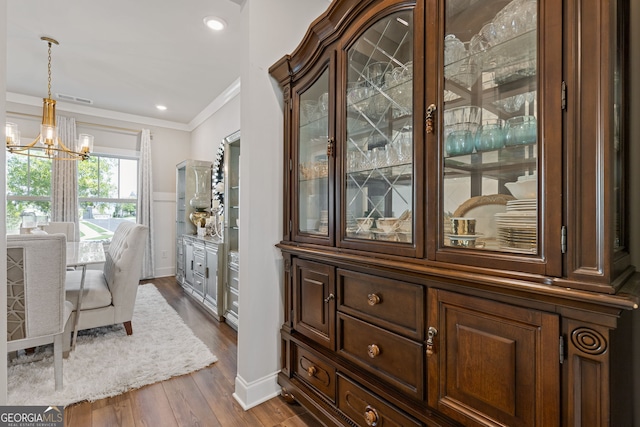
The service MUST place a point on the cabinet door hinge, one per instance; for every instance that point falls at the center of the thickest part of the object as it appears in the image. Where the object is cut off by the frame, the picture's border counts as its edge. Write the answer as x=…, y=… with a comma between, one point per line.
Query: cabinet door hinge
x=563, y=99
x=563, y=239
x=290, y=165
x=206, y=272
x=561, y=349
x=290, y=226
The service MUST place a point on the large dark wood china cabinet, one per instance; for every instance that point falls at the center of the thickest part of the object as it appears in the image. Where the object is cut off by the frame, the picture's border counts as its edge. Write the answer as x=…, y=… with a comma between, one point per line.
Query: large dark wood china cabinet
x=456, y=214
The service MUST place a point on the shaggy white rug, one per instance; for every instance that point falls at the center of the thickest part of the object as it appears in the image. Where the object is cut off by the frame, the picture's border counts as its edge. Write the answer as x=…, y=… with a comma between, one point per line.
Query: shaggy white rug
x=107, y=362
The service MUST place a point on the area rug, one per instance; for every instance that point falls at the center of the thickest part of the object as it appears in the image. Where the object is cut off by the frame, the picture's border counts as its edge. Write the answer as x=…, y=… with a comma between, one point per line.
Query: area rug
x=106, y=362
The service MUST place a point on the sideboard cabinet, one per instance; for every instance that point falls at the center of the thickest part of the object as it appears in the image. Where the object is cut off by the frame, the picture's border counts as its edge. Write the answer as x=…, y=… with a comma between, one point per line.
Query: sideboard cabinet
x=203, y=260
x=456, y=225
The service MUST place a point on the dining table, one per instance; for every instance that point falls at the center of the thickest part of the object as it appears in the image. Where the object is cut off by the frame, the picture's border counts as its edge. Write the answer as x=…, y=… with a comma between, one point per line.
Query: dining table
x=79, y=256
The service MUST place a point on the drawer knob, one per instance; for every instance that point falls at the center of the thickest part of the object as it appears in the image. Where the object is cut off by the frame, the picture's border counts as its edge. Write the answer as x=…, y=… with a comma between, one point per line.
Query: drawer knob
x=311, y=371
x=371, y=416
x=373, y=350
x=373, y=299
x=431, y=333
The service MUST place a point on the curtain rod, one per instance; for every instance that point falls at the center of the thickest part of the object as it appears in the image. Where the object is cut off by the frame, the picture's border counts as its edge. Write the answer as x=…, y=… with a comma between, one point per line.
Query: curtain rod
x=123, y=129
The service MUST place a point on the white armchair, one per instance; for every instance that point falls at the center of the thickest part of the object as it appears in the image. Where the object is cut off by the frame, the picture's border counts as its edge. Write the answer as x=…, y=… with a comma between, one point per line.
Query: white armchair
x=109, y=294
x=37, y=311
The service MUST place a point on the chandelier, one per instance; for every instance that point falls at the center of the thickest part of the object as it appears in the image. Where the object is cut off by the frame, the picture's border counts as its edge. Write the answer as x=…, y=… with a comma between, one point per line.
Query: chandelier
x=47, y=144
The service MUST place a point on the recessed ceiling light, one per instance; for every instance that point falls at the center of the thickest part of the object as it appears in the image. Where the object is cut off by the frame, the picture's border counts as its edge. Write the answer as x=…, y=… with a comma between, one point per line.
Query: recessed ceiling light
x=161, y=107
x=215, y=23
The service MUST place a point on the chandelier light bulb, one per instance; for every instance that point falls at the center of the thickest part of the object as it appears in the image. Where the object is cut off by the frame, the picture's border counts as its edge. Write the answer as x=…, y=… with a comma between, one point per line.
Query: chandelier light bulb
x=12, y=134
x=85, y=141
x=48, y=135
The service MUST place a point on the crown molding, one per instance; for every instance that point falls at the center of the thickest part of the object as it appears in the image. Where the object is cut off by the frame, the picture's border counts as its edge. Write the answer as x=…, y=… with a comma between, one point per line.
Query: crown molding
x=221, y=100
x=97, y=112
x=227, y=95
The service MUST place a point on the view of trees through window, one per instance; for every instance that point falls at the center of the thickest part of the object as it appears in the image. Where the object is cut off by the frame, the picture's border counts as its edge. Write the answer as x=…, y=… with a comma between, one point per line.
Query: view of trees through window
x=107, y=192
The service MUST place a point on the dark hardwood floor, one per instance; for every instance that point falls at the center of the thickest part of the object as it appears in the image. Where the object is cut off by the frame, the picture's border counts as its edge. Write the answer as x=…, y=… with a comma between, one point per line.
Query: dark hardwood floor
x=202, y=398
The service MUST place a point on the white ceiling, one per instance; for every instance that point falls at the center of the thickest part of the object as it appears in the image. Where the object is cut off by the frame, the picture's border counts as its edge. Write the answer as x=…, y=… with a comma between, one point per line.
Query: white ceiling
x=125, y=56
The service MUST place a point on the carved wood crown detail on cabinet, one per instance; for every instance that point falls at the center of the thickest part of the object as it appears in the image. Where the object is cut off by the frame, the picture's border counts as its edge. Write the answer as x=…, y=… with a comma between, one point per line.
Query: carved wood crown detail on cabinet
x=444, y=262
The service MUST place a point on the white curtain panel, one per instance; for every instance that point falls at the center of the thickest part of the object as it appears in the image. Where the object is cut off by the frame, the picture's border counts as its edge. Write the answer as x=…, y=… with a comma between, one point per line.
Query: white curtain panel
x=64, y=179
x=145, y=201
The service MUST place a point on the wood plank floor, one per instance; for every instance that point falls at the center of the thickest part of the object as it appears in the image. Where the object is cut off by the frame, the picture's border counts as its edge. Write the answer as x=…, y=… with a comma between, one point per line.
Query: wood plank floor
x=203, y=398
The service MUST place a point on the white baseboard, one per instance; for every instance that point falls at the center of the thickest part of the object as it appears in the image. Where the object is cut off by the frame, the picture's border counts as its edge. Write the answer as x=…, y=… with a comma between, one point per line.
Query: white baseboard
x=252, y=394
x=164, y=272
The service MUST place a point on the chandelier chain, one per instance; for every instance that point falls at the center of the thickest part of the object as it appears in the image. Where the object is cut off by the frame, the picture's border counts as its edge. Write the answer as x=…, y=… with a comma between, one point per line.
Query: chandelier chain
x=49, y=69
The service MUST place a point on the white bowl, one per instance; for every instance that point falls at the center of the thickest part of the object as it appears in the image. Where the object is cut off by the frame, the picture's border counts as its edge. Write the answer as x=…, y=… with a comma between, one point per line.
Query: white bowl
x=387, y=224
x=526, y=189
x=404, y=225
x=364, y=224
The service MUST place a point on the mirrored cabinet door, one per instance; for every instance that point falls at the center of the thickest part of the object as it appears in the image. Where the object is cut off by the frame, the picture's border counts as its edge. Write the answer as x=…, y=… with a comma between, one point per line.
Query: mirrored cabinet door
x=314, y=162
x=379, y=142
x=490, y=127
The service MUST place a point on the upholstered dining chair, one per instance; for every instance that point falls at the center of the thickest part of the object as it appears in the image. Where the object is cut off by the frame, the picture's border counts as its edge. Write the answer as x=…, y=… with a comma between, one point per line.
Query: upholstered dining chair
x=66, y=228
x=37, y=311
x=109, y=294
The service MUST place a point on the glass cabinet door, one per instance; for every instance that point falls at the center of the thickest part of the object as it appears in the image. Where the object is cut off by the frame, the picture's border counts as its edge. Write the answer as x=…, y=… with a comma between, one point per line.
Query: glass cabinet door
x=490, y=134
x=313, y=161
x=377, y=200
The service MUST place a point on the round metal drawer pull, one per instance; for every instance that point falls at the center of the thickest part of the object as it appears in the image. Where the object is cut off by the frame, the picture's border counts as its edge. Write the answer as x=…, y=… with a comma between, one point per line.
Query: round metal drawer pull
x=371, y=416
x=373, y=350
x=373, y=299
x=311, y=370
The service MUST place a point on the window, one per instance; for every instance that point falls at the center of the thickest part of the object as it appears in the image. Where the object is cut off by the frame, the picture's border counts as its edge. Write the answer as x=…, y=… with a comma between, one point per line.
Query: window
x=28, y=189
x=107, y=192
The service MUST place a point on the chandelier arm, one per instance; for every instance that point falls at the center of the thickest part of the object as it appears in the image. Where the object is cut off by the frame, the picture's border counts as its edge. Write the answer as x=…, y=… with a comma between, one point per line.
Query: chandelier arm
x=18, y=148
x=23, y=151
x=64, y=147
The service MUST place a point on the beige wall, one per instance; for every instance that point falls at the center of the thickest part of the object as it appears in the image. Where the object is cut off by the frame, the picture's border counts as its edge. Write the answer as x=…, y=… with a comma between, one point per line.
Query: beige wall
x=261, y=165
x=206, y=138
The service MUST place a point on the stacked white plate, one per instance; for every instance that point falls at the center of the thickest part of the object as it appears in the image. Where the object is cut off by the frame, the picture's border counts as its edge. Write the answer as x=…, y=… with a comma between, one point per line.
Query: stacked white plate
x=517, y=228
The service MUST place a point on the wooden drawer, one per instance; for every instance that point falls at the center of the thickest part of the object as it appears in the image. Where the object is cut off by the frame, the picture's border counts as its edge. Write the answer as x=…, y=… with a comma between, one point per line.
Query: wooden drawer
x=365, y=409
x=391, y=304
x=315, y=371
x=391, y=357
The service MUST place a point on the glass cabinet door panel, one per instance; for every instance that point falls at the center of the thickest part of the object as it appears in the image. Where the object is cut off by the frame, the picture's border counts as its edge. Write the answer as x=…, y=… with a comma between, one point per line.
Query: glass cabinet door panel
x=619, y=238
x=379, y=180
x=313, y=162
x=490, y=128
